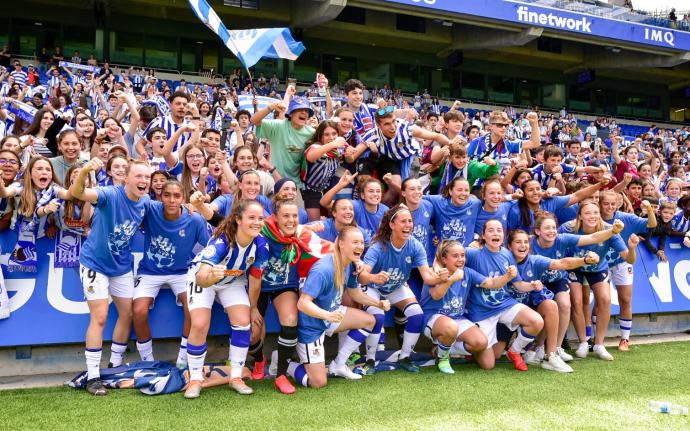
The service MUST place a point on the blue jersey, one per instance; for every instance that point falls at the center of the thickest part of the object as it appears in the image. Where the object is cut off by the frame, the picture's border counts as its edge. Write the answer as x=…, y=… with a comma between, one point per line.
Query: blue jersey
x=605, y=250
x=330, y=233
x=367, y=221
x=320, y=285
x=680, y=223
x=398, y=263
x=224, y=204
x=168, y=245
x=544, y=178
x=484, y=303
x=633, y=224
x=176, y=171
x=455, y=222
x=549, y=204
x=278, y=274
x=422, y=231
x=116, y=219
x=532, y=268
x=238, y=260
x=564, y=215
x=454, y=301
x=565, y=245
x=500, y=151
x=501, y=214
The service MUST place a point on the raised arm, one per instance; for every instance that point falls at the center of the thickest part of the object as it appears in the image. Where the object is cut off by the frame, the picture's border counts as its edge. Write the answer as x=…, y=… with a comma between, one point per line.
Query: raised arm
x=602, y=235
x=534, y=141
x=79, y=189
x=344, y=181
x=259, y=115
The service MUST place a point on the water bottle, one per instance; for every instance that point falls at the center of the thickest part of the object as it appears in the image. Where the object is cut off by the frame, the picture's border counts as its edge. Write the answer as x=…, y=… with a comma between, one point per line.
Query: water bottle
x=669, y=408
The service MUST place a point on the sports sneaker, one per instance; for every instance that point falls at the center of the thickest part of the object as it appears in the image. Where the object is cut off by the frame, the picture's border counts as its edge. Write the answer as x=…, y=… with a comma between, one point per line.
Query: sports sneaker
x=273, y=367
x=590, y=343
x=554, y=362
x=342, y=370
x=259, y=370
x=368, y=368
x=407, y=365
x=240, y=387
x=624, y=345
x=582, y=350
x=444, y=366
x=565, y=356
x=532, y=357
x=95, y=387
x=284, y=386
x=353, y=359
x=601, y=353
x=516, y=359
x=193, y=389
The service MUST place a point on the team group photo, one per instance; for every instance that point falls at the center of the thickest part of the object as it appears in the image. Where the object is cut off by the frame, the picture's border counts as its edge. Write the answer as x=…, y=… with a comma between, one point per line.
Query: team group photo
x=320, y=214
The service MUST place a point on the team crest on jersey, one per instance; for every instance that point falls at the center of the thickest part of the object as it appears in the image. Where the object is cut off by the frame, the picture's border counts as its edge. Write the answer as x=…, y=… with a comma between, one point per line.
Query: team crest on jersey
x=161, y=252
x=408, y=259
x=209, y=251
x=250, y=260
x=119, y=238
x=90, y=289
x=316, y=351
x=143, y=212
x=530, y=273
x=182, y=233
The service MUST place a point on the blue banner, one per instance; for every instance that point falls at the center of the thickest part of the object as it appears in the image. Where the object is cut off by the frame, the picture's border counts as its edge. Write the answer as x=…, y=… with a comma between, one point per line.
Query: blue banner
x=530, y=14
x=48, y=307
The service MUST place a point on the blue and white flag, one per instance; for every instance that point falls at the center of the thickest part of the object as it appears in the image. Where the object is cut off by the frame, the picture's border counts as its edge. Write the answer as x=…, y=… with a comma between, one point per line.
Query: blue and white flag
x=160, y=103
x=86, y=67
x=22, y=110
x=246, y=103
x=249, y=45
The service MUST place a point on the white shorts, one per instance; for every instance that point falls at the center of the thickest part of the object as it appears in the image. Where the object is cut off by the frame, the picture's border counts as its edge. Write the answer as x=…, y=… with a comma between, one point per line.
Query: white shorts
x=463, y=325
x=488, y=326
x=312, y=353
x=227, y=295
x=622, y=274
x=148, y=286
x=99, y=286
x=401, y=293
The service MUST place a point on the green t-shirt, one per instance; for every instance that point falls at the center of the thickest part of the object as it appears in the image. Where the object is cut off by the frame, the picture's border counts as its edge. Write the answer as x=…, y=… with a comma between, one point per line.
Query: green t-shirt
x=287, y=146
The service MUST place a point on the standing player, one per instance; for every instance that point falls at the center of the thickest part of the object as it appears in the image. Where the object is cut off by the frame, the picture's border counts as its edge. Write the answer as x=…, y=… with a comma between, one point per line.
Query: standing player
x=106, y=269
x=171, y=233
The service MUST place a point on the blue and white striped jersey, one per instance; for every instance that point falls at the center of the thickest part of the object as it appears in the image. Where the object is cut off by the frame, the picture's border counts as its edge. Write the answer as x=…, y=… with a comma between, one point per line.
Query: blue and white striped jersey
x=400, y=147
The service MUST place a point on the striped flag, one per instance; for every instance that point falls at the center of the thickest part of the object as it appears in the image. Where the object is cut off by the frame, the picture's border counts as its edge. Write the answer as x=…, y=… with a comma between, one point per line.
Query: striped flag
x=245, y=101
x=249, y=45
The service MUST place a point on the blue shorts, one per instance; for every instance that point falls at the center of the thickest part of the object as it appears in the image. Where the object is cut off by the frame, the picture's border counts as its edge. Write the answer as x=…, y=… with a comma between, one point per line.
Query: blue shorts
x=591, y=277
x=558, y=286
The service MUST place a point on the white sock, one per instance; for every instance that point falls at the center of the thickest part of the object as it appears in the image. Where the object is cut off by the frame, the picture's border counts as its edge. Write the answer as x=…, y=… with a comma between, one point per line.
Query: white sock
x=196, y=356
x=540, y=352
x=298, y=372
x=182, y=354
x=117, y=353
x=239, y=345
x=93, y=363
x=458, y=348
x=145, y=350
x=372, y=345
x=626, y=327
x=522, y=339
x=349, y=344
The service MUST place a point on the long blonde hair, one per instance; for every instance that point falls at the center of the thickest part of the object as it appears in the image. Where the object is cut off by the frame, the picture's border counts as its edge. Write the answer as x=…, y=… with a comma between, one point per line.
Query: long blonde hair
x=338, y=268
x=578, y=221
x=27, y=204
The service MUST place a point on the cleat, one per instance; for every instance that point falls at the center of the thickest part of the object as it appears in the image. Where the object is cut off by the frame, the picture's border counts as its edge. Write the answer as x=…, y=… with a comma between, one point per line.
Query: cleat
x=533, y=358
x=517, y=361
x=553, y=362
x=444, y=366
x=601, y=353
x=193, y=389
x=353, y=359
x=240, y=387
x=368, y=368
x=624, y=345
x=284, y=386
x=343, y=370
x=95, y=387
x=565, y=356
x=259, y=370
x=582, y=350
x=407, y=365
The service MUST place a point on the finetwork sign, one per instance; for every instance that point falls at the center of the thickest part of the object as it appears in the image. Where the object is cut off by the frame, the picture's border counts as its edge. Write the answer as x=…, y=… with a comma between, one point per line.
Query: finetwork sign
x=552, y=20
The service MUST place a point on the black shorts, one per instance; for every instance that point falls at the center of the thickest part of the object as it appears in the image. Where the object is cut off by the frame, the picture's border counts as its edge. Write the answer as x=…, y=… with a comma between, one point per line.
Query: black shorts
x=311, y=198
x=382, y=164
x=591, y=277
x=558, y=286
x=262, y=305
x=503, y=333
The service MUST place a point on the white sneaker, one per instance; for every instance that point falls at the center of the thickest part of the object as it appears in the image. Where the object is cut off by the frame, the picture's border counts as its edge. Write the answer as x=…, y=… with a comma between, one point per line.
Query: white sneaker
x=582, y=350
x=601, y=353
x=565, y=356
x=531, y=357
x=555, y=363
x=273, y=366
x=342, y=370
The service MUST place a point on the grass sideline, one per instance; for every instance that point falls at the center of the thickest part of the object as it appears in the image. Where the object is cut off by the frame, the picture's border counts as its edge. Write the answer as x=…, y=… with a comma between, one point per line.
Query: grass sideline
x=599, y=395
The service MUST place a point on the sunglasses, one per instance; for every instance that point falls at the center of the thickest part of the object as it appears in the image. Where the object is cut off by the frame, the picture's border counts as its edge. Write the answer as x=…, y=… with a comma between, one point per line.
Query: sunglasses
x=500, y=124
x=383, y=111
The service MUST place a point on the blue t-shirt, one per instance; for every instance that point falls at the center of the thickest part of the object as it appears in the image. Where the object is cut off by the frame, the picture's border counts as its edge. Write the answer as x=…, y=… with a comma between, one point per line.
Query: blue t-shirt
x=484, y=303
x=565, y=245
x=320, y=285
x=549, y=204
x=422, y=230
x=330, y=233
x=501, y=214
x=532, y=268
x=116, y=219
x=224, y=204
x=168, y=244
x=455, y=222
x=606, y=250
x=454, y=301
x=397, y=263
x=633, y=224
x=240, y=260
x=368, y=222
